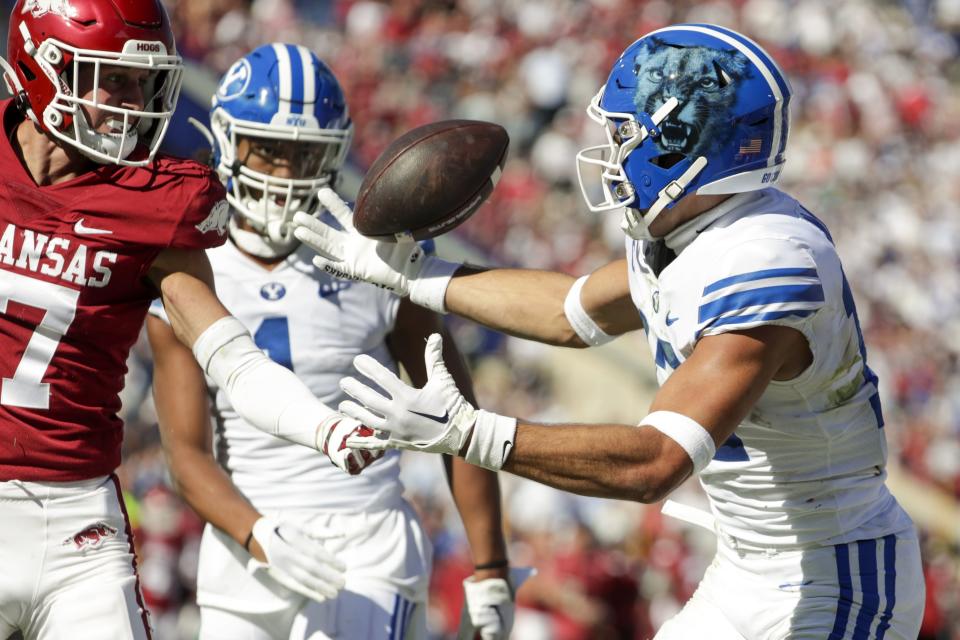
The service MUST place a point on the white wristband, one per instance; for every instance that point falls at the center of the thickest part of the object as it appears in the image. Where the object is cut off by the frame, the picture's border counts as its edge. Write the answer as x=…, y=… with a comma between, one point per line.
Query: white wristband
x=492, y=441
x=429, y=288
x=264, y=393
x=686, y=432
x=588, y=330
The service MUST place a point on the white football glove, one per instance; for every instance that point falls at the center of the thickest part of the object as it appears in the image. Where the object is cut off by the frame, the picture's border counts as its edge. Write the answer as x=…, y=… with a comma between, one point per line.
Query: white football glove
x=297, y=560
x=401, y=267
x=332, y=440
x=436, y=418
x=488, y=606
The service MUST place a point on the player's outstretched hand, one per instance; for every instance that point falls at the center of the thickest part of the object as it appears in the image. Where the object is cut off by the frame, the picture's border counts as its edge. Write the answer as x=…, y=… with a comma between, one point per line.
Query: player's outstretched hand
x=332, y=441
x=488, y=606
x=350, y=256
x=297, y=560
x=436, y=418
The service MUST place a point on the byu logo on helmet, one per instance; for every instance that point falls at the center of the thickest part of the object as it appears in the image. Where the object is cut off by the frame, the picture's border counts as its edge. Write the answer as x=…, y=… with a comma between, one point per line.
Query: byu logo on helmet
x=689, y=108
x=235, y=81
x=287, y=100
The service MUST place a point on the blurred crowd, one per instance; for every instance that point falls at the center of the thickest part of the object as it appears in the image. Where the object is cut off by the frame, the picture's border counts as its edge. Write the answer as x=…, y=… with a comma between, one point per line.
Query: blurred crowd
x=874, y=151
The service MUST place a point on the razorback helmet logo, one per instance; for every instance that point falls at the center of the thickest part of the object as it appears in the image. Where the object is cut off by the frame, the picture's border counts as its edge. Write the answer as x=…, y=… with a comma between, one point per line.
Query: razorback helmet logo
x=37, y=8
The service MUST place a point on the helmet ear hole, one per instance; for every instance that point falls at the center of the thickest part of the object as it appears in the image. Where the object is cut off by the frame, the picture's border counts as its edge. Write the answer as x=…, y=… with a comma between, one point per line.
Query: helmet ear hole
x=667, y=160
x=25, y=70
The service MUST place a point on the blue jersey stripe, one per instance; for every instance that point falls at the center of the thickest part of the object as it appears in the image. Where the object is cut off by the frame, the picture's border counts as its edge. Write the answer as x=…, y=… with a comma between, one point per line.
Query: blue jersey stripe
x=760, y=275
x=889, y=583
x=666, y=355
x=767, y=316
x=869, y=585
x=402, y=631
x=732, y=450
x=846, y=592
x=781, y=294
x=296, y=79
x=395, y=618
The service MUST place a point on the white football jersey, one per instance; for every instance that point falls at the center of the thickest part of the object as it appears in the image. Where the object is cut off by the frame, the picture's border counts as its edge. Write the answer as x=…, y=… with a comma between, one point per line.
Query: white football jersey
x=315, y=325
x=807, y=466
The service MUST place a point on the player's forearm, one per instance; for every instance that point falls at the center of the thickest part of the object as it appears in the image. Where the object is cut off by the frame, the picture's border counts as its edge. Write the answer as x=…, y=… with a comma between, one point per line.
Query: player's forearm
x=208, y=490
x=521, y=302
x=476, y=493
x=607, y=461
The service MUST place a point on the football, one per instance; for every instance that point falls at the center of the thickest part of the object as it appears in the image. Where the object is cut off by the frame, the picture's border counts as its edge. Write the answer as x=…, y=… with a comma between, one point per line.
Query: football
x=430, y=179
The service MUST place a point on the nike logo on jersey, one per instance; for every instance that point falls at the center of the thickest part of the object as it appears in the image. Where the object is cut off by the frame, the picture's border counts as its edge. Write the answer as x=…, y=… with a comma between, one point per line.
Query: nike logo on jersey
x=81, y=229
x=441, y=419
x=670, y=320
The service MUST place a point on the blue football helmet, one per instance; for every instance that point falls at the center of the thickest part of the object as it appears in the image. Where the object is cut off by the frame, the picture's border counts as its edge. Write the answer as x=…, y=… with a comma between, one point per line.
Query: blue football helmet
x=691, y=108
x=278, y=92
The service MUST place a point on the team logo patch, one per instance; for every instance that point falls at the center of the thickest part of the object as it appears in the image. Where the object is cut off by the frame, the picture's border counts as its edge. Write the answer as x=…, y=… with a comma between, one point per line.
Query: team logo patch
x=42, y=7
x=91, y=537
x=272, y=291
x=235, y=81
x=217, y=220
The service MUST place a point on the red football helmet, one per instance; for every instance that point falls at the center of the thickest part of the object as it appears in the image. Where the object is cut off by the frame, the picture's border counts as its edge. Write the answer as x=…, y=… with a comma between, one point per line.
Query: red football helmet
x=51, y=42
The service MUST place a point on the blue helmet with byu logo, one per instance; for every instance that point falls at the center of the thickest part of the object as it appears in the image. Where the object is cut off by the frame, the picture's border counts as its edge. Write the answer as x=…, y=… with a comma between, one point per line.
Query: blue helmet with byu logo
x=278, y=93
x=691, y=108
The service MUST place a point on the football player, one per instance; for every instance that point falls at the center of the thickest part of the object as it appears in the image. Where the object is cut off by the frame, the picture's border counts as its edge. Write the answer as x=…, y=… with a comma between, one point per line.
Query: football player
x=765, y=389
x=281, y=131
x=94, y=224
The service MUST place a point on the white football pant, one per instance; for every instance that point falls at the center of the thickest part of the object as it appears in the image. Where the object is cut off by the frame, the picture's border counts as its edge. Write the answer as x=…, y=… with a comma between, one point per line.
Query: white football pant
x=855, y=591
x=68, y=564
x=388, y=558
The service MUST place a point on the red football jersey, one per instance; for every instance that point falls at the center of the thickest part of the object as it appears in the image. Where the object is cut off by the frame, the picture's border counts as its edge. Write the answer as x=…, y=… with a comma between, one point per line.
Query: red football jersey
x=73, y=296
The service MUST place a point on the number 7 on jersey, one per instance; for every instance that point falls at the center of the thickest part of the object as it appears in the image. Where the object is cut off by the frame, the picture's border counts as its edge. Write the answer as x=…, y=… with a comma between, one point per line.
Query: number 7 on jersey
x=26, y=388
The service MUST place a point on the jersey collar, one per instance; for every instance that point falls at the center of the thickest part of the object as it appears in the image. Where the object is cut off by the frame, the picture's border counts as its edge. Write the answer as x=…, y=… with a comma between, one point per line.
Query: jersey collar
x=682, y=236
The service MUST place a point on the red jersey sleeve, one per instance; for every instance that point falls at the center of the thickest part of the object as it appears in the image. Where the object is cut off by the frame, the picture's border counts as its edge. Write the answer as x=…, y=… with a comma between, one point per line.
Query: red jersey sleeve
x=203, y=224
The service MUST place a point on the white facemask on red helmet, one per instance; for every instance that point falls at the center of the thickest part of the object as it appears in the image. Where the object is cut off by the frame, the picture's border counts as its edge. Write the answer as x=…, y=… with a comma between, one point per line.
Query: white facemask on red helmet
x=55, y=45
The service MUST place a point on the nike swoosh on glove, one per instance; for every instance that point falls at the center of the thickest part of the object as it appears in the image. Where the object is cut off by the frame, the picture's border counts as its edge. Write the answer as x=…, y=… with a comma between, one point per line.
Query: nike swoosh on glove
x=488, y=606
x=297, y=560
x=436, y=418
x=333, y=442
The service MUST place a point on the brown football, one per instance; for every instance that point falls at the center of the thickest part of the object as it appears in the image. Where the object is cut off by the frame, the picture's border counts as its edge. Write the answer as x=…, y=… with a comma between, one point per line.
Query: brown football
x=430, y=179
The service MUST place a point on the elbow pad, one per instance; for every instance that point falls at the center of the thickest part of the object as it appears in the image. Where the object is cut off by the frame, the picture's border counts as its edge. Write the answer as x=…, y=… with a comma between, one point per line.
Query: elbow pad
x=264, y=393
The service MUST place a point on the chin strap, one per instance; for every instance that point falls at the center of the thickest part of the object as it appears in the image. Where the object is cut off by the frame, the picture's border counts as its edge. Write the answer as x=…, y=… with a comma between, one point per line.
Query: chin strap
x=16, y=89
x=636, y=224
x=256, y=244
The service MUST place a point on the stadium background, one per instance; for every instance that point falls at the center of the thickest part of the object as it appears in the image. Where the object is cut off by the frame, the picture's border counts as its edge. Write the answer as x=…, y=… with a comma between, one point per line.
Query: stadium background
x=874, y=151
